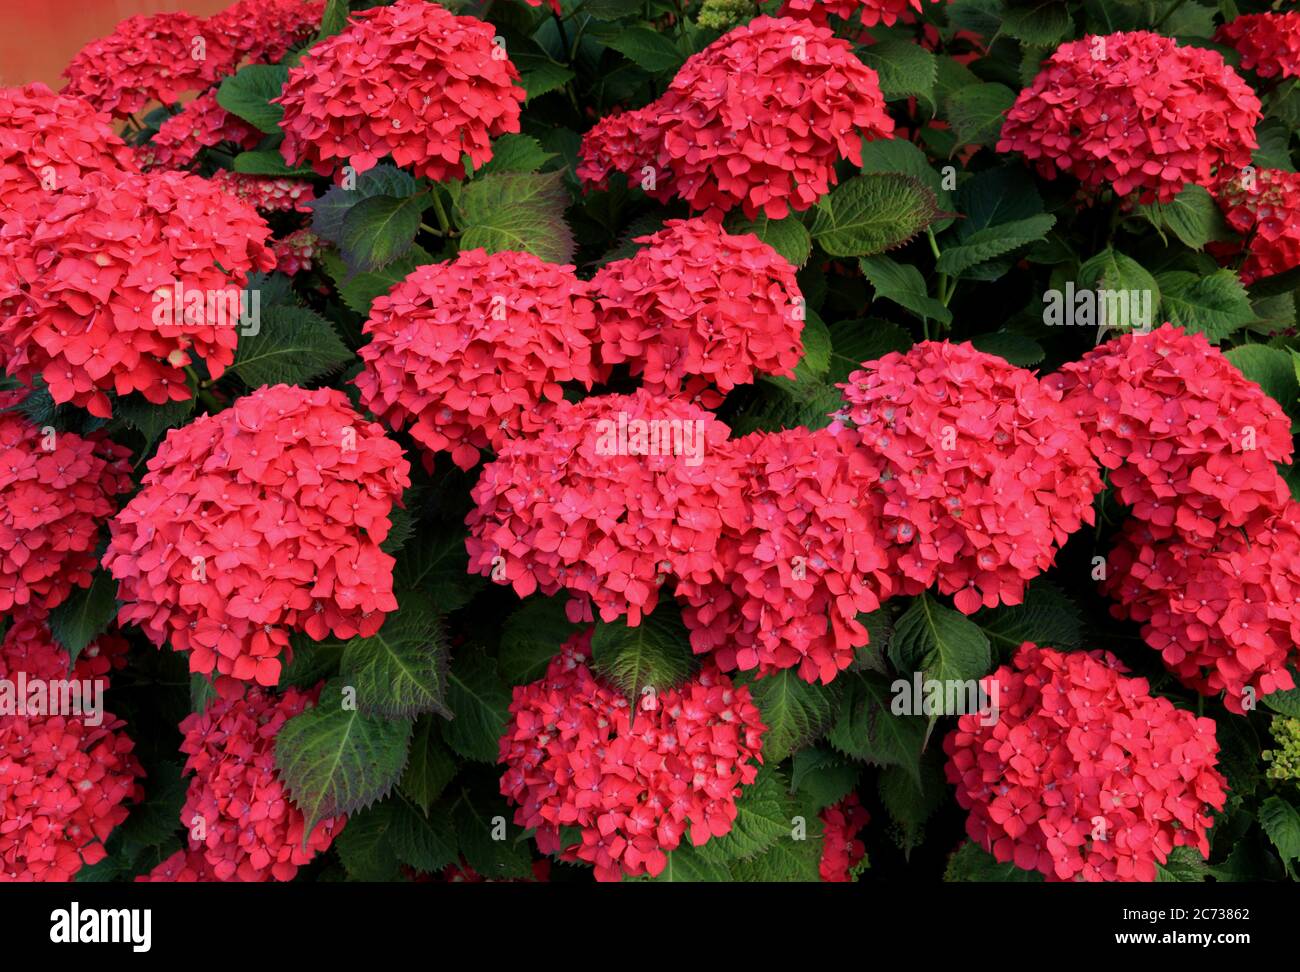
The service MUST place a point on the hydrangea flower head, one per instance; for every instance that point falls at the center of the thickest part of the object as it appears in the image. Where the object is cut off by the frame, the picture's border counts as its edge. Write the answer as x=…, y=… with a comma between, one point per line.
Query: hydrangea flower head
x=635, y=778
x=1264, y=207
x=870, y=12
x=201, y=124
x=985, y=471
x=1137, y=112
x=263, y=31
x=1083, y=775
x=697, y=305
x=409, y=80
x=256, y=522
x=1269, y=43
x=472, y=352
x=842, y=851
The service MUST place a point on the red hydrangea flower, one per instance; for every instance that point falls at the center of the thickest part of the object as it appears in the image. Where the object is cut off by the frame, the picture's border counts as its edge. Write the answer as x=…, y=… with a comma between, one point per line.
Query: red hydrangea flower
x=236, y=799
x=144, y=59
x=50, y=141
x=870, y=12
x=1137, y=112
x=261, y=520
x=842, y=851
x=267, y=194
x=471, y=352
x=986, y=471
x=64, y=783
x=1269, y=43
x=757, y=119
x=1083, y=775
x=612, y=497
x=1264, y=207
x=81, y=288
x=633, y=782
x=263, y=31
x=201, y=124
x=788, y=581
x=1190, y=442
x=1224, y=615
x=411, y=81
x=56, y=488
x=297, y=252
x=699, y=303
x=184, y=867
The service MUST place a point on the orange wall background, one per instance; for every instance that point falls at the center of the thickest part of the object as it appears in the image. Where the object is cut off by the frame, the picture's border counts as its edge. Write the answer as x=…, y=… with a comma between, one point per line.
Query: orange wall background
x=39, y=37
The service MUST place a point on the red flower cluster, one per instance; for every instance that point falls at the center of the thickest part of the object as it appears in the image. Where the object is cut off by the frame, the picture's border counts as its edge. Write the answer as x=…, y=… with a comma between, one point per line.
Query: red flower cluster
x=1264, y=206
x=1084, y=775
x=870, y=12
x=263, y=519
x=805, y=557
x=263, y=31
x=757, y=119
x=184, y=867
x=80, y=288
x=1269, y=43
x=64, y=783
x=698, y=305
x=56, y=488
x=296, y=253
x=266, y=194
x=144, y=59
x=471, y=352
x=1190, y=442
x=50, y=141
x=841, y=849
x=1224, y=615
x=633, y=781
x=201, y=124
x=411, y=81
x=614, y=495
x=986, y=471
x=251, y=831
x=1137, y=112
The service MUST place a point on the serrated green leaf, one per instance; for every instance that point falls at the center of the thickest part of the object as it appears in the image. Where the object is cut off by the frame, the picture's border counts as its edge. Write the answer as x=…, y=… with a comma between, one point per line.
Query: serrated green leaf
x=1215, y=305
x=480, y=701
x=293, y=346
x=365, y=846
x=687, y=865
x=812, y=367
x=788, y=236
x=85, y=615
x=853, y=342
x=401, y=670
x=1019, y=349
x=1286, y=702
x=1281, y=821
x=870, y=214
x=424, y=841
x=266, y=162
x=762, y=818
x=822, y=777
x=334, y=760
x=976, y=112
x=905, y=69
x=359, y=290
x=1184, y=865
x=517, y=211
x=330, y=210
x=1121, y=275
x=1042, y=22
x=151, y=420
x=903, y=284
x=248, y=93
x=910, y=806
x=944, y=644
x=437, y=567
x=480, y=819
x=1048, y=617
x=794, y=711
x=531, y=637
x=970, y=863
x=380, y=229
x=431, y=766
x=646, y=48
x=539, y=75
x=516, y=153
x=311, y=660
x=866, y=729
x=993, y=242
x=1271, y=369
x=1192, y=216
x=655, y=654
x=788, y=860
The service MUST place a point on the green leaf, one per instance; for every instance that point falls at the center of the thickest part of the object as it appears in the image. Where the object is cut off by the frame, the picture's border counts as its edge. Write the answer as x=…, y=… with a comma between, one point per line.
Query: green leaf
x=903, y=284
x=794, y=711
x=993, y=242
x=977, y=112
x=899, y=155
x=269, y=163
x=910, y=805
x=248, y=94
x=1118, y=274
x=516, y=153
x=941, y=642
x=1047, y=617
x=293, y=346
x=379, y=229
x=365, y=845
x=873, y=213
x=426, y=842
x=646, y=48
x=335, y=19
x=970, y=863
x=762, y=818
x=154, y=821
x=866, y=729
x=1018, y=349
x=437, y=567
x=85, y=615
x=1183, y=865
x=531, y=637
x=489, y=842
x=821, y=777
x=481, y=705
x=330, y=210
x=431, y=766
x=1213, y=305
x=1042, y=22
x=337, y=760
x=654, y=654
x=1192, y=216
x=789, y=237
x=853, y=342
x=311, y=660
x=1281, y=821
x=359, y=290
x=785, y=861
x=1271, y=369
x=401, y=670
x=539, y=75
x=517, y=211
x=812, y=367
x=687, y=865
x=151, y=420
x=1286, y=702
x=906, y=69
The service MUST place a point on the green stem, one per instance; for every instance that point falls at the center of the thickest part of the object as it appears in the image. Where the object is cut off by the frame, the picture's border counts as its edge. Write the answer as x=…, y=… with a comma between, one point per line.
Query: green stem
x=440, y=213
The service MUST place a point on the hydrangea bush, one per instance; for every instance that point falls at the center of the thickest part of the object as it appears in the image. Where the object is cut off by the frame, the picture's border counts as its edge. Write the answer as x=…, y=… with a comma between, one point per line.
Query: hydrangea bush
x=683, y=440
